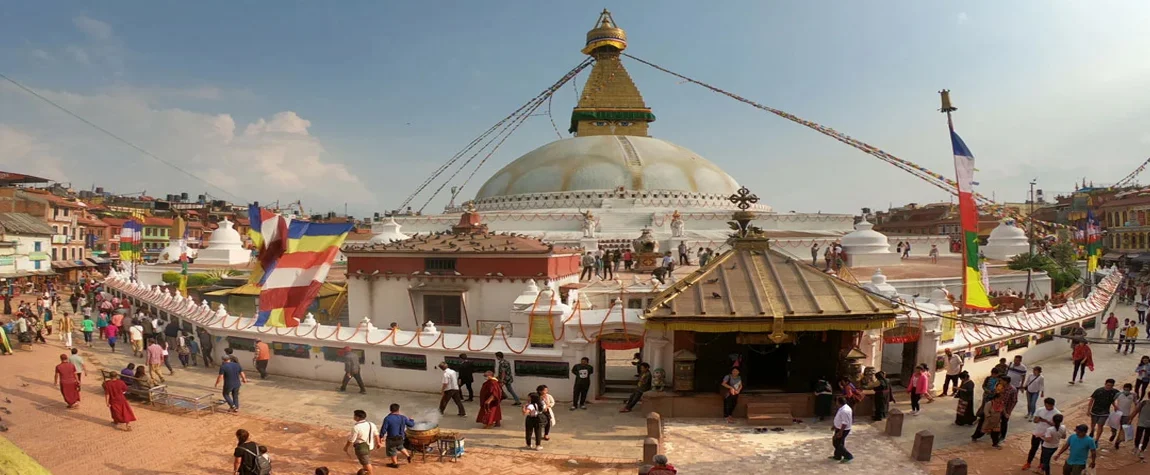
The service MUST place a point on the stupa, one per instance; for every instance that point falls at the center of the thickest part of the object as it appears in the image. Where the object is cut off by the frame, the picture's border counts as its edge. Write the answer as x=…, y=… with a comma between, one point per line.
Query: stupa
x=225, y=247
x=387, y=232
x=866, y=247
x=613, y=179
x=177, y=245
x=1006, y=241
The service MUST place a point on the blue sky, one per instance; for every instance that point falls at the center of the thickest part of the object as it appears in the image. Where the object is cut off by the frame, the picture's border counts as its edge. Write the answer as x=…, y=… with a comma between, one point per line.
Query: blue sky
x=357, y=102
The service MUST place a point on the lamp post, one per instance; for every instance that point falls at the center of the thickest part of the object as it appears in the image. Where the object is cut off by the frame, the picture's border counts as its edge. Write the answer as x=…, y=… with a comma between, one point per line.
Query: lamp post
x=1030, y=240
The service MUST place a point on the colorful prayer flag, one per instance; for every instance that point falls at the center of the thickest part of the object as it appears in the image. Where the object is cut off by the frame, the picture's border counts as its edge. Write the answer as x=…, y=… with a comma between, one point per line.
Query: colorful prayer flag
x=1093, y=239
x=973, y=291
x=268, y=233
x=130, y=236
x=184, y=263
x=292, y=281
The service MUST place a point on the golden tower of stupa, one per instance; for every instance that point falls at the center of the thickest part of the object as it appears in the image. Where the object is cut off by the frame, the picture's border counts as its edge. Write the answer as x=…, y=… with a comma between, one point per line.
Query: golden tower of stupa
x=610, y=103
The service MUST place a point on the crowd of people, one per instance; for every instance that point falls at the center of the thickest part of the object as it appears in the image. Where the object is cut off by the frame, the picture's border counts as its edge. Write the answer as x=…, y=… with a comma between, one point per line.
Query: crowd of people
x=604, y=264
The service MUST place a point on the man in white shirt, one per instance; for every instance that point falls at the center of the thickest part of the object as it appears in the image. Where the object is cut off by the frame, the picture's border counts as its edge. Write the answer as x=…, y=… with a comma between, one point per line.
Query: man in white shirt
x=953, y=369
x=844, y=419
x=451, y=390
x=136, y=336
x=364, y=438
x=1043, y=419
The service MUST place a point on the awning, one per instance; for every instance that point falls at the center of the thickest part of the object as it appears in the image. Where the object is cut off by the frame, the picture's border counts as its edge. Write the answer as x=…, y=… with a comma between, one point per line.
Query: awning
x=98, y=261
x=1112, y=256
x=64, y=265
x=13, y=275
x=83, y=263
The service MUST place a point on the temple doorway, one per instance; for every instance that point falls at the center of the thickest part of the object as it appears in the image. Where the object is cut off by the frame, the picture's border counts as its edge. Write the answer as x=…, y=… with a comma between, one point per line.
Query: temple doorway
x=900, y=353
x=790, y=366
x=617, y=376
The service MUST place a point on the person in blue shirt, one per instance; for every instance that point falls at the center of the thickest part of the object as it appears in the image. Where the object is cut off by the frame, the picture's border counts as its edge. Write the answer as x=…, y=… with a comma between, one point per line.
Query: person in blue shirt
x=395, y=430
x=1080, y=446
x=232, y=376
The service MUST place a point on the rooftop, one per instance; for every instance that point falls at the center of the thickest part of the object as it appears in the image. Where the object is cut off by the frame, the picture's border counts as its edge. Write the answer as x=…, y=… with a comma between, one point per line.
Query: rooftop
x=486, y=243
x=921, y=268
x=23, y=223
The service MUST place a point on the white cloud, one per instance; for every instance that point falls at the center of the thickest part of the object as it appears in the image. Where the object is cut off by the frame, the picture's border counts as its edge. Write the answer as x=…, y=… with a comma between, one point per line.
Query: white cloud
x=962, y=17
x=79, y=54
x=20, y=152
x=273, y=158
x=92, y=27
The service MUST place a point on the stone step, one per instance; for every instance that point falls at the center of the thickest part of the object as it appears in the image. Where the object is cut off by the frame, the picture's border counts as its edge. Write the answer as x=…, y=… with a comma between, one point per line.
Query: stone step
x=777, y=419
x=768, y=407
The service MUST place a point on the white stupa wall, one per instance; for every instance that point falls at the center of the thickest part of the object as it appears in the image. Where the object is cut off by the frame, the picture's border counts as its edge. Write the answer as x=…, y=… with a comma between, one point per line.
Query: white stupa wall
x=1005, y=242
x=866, y=247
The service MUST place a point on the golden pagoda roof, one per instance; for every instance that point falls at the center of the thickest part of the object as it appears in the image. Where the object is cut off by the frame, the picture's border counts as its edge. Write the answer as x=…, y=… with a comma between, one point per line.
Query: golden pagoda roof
x=610, y=103
x=605, y=33
x=753, y=288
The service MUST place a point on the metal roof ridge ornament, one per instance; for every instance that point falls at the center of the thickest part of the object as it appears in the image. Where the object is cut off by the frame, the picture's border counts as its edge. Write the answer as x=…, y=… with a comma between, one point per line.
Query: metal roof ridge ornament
x=743, y=199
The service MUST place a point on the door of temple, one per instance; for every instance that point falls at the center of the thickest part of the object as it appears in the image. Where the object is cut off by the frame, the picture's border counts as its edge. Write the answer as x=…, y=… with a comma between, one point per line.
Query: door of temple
x=617, y=376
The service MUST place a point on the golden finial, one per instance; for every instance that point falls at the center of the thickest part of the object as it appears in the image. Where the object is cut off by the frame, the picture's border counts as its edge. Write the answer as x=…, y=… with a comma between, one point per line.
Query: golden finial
x=946, y=106
x=605, y=34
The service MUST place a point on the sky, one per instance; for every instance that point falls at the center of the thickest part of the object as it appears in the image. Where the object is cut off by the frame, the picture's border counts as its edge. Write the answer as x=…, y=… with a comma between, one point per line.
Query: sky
x=354, y=103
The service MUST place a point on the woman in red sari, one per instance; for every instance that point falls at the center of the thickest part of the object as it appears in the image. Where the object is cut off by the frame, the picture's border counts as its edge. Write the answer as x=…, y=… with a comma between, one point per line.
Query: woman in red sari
x=114, y=390
x=489, y=398
x=66, y=378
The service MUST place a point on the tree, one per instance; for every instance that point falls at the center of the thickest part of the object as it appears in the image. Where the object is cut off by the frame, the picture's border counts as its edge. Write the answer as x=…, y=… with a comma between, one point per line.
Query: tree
x=1060, y=263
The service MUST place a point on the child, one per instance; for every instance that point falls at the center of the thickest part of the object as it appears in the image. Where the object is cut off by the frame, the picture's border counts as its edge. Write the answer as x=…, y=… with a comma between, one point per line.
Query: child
x=263, y=450
x=87, y=327
x=194, y=349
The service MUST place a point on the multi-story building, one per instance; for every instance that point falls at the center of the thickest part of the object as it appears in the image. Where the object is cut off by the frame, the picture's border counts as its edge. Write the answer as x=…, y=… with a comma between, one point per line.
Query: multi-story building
x=1126, y=220
x=931, y=220
x=156, y=235
x=24, y=240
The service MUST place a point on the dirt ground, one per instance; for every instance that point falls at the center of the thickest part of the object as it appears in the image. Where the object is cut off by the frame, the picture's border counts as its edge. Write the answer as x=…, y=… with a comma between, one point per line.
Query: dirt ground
x=982, y=459
x=83, y=440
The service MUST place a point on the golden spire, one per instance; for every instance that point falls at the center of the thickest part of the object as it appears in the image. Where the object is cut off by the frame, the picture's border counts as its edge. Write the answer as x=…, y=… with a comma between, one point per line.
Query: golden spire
x=610, y=103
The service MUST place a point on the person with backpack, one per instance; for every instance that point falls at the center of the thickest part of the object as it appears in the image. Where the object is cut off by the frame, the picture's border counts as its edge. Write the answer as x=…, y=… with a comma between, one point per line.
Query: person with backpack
x=364, y=438
x=247, y=456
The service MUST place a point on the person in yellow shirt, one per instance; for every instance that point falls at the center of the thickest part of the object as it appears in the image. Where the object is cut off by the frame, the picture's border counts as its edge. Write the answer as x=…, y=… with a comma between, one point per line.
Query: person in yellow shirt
x=1131, y=338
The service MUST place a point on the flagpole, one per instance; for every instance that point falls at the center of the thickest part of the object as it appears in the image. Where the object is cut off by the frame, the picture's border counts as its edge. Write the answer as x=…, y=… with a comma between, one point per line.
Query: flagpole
x=947, y=108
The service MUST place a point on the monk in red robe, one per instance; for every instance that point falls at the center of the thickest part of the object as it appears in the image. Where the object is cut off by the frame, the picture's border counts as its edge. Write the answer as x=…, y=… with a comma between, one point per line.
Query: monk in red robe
x=69, y=384
x=114, y=389
x=489, y=398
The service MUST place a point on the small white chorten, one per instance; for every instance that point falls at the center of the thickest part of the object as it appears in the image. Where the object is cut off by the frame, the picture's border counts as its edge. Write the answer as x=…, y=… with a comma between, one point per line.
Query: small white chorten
x=879, y=285
x=386, y=232
x=1006, y=241
x=225, y=247
x=866, y=247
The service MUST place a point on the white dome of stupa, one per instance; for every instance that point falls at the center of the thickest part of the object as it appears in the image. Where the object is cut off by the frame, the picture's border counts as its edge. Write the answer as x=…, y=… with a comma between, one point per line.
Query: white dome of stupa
x=865, y=240
x=172, y=252
x=387, y=232
x=1006, y=241
x=604, y=164
x=225, y=247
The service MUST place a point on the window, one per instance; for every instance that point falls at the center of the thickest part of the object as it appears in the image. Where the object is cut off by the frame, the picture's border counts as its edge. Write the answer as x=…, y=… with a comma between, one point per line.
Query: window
x=439, y=266
x=65, y=211
x=634, y=303
x=65, y=230
x=36, y=246
x=55, y=229
x=54, y=254
x=336, y=354
x=291, y=350
x=543, y=369
x=403, y=361
x=443, y=310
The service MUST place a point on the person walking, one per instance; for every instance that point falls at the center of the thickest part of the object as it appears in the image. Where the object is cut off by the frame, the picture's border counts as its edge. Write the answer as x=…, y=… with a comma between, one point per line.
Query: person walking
x=588, y=264
x=206, y=348
x=490, y=396
x=1054, y=436
x=844, y=419
x=933, y=254
x=533, y=421
x=1122, y=335
x=87, y=328
x=953, y=364
x=395, y=427
x=1131, y=338
x=114, y=389
x=1081, y=447
x=643, y=385
x=364, y=438
x=67, y=326
x=232, y=375
x=684, y=260
x=1043, y=420
x=815, y=254
x=351, y=370
x=1141, y=416
x=627, y=258
x=172, y=334
x=918, y=387
x=1111, y=326
x=263, y=356
x=1124, y=403
x=136, y=337
x=1142, y=378
x=193, y=350
x=466, y=377
x=505, y=377
x=1017, y=372
x=990, y=419
x=582, y=386
x=732, y=385
x=246, y=456
x=1035, y=387
x=65, y=378
x=450, y=390
x=154, y=358
x=1083, y=358
x=1101, y=402
x=78, y=362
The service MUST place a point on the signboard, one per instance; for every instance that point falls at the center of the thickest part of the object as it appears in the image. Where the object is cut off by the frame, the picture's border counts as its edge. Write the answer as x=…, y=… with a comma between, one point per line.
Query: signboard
x=7, y=261
x=541, y=336
x=37, y=256
x=403, y=361
x=902, y=334
x=59, y=239
x=487, y=327
x=949, y=325
x=291, y=350
x=543, y=369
